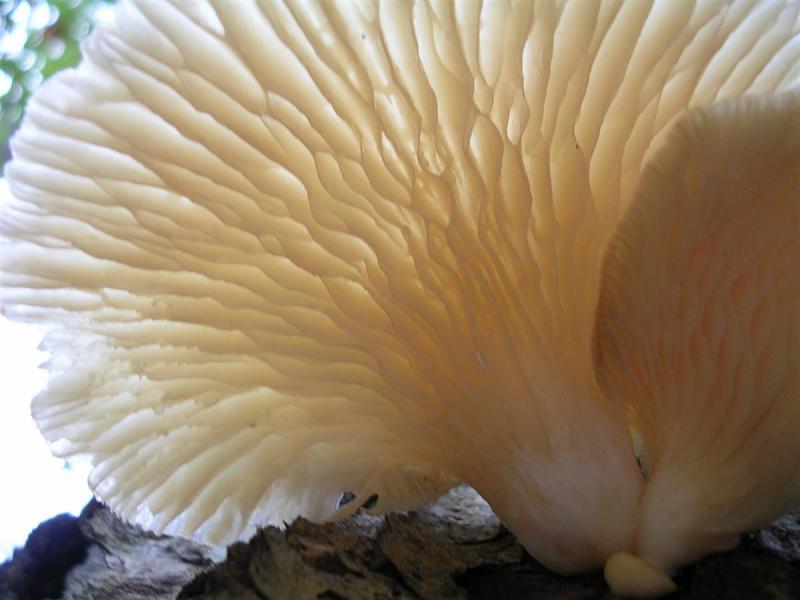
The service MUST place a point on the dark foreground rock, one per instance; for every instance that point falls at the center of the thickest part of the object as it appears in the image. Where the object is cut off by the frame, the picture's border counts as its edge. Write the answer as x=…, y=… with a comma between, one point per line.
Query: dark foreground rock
x=455, y=548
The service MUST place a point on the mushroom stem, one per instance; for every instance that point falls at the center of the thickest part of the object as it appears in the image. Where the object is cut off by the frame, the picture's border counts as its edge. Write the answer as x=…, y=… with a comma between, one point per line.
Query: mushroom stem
x=577, y=501
x=629, y=576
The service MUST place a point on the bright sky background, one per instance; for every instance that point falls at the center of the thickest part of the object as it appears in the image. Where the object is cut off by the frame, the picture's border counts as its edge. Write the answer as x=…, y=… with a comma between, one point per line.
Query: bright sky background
x=35, y=485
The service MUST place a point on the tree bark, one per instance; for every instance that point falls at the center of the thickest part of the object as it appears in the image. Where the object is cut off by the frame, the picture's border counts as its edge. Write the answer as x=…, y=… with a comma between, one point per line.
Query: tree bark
x=454, y=548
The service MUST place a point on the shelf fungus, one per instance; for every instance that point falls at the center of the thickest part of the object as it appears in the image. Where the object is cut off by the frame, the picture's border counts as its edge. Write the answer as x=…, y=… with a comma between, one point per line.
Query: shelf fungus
x=552, y=249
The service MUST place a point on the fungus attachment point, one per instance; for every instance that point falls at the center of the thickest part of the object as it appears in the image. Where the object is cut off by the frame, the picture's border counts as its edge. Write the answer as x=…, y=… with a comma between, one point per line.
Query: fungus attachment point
x=629, y=576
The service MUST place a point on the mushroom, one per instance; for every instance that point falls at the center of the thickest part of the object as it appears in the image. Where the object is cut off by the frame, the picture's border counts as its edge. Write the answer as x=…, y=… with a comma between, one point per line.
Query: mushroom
x=288, y=251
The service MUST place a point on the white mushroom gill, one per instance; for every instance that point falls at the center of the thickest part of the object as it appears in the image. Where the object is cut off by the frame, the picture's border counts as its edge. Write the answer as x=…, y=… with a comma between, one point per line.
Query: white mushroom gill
x=292, y=250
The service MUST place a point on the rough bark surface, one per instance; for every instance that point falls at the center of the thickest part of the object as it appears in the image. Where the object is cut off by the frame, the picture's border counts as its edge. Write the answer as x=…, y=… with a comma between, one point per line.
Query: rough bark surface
x=455, y=548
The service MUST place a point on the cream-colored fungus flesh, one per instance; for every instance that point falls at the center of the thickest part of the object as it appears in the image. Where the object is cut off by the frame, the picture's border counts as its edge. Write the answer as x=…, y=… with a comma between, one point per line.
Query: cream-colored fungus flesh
x=292, y=250
x=698, y=327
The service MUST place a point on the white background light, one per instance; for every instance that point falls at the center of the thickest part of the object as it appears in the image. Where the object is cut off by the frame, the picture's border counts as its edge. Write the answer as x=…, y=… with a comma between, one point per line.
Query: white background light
x=35, y=485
